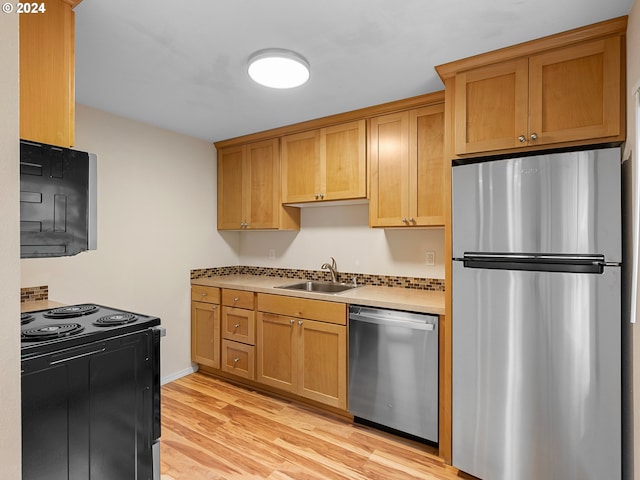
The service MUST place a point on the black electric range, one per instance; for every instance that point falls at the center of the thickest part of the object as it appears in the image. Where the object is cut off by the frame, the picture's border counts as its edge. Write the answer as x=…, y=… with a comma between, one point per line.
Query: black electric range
x=51, y=330
x=90, y=394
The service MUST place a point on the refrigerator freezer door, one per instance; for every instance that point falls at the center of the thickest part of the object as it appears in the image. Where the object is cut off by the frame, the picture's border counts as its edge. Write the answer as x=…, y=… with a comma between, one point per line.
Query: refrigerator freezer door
x=536, y=374
x=558, y=203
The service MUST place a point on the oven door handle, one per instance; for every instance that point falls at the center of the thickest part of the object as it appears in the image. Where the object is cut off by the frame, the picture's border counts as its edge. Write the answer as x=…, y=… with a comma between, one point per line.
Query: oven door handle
x=73, y=357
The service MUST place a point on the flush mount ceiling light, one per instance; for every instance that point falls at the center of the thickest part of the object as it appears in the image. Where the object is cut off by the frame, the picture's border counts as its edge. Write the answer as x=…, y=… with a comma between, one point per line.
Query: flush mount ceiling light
x=278, y=68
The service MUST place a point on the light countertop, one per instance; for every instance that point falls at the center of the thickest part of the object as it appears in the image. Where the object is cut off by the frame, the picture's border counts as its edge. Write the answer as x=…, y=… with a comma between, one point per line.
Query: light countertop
x=425, y=301
x=39, y=305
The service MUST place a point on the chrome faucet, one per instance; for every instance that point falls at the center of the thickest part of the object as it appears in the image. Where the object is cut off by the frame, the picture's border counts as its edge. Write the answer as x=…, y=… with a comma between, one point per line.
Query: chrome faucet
x=333, y=269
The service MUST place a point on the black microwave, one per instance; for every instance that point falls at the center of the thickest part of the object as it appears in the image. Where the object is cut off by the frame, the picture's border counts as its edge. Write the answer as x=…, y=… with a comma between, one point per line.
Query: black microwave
x=58, y=200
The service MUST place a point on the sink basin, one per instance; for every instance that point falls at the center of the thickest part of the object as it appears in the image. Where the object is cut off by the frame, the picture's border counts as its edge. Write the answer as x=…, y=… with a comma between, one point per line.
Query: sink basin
x=319, y=287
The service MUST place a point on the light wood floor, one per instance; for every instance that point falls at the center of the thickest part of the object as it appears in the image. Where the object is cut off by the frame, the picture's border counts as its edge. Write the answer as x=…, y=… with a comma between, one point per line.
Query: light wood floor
x=214, y=430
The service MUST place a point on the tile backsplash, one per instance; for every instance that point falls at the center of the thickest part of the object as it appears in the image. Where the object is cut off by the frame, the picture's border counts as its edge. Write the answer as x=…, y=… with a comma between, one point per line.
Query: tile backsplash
x=31, y=294
x=435, y=284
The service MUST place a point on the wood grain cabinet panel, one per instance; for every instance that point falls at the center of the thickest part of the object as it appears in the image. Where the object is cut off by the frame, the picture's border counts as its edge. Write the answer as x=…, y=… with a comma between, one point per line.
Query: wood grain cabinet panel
x=249, y=189
x=406, y=153
x=325, y=164
x=205, y=334
x=303, y=356
x=567, y=94
x=238, y=359
x=47, y=74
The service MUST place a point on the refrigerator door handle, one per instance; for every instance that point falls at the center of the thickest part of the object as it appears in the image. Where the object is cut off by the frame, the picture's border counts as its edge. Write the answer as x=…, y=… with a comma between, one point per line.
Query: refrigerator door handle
x=536, y=262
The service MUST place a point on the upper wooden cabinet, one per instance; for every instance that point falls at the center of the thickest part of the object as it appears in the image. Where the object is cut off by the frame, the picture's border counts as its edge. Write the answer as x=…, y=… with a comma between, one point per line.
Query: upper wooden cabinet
x=325, y=164
x=47, y=74
x=407, y=168
x=249, y=189
x=558, y=91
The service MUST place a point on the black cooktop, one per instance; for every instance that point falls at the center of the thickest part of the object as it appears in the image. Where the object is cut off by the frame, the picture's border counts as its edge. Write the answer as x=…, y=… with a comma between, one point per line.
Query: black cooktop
x=51, y=330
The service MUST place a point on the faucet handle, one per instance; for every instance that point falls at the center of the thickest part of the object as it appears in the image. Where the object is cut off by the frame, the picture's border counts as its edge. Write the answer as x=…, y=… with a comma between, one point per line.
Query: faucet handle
x=333, y=262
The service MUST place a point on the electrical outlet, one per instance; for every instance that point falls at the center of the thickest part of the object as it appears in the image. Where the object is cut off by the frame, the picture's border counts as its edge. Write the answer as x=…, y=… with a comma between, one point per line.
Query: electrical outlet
x=430, y=259
x=272, y=254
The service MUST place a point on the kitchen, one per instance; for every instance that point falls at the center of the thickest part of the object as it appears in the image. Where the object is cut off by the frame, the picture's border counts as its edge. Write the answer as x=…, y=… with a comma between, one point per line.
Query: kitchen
x=158, y=269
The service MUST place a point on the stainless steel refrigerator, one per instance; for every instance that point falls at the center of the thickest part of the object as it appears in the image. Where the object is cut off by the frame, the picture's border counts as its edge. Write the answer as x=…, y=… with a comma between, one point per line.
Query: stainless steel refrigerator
x=536, y=319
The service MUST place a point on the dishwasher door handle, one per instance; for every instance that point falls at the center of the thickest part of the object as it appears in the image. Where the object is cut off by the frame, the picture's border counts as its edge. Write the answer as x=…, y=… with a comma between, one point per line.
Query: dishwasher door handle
x=393, y=322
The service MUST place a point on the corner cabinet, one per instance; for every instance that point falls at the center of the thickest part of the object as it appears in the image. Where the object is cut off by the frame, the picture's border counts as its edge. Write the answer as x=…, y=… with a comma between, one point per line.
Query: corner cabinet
x=205, y=326
x=406, y=157
x=325, y=164
x=561, y=90
x=249, y=189
x=302, y=347
x=47, y=74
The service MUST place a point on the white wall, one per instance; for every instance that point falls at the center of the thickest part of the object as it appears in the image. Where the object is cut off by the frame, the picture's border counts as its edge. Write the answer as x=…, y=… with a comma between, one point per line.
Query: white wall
x=342, y=232
x=156, y=221
x=633, y=81
x=10, y=443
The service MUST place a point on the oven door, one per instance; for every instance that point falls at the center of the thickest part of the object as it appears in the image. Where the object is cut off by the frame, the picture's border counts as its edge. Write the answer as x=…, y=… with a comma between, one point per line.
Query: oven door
x=88, y=412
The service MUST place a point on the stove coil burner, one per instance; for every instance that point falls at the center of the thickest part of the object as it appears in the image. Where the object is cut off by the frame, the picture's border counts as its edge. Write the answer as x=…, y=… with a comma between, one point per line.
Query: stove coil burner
x=26, y=318
x=49, y=332
x=71, y=311
x=115, y=319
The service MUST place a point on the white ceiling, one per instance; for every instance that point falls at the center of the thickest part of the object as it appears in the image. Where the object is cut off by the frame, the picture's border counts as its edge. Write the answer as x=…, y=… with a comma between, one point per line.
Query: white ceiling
x=181, y=64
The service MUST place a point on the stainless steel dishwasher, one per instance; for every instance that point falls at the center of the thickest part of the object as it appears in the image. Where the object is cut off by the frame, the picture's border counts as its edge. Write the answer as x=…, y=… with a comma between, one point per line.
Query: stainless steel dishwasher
x=393, y=370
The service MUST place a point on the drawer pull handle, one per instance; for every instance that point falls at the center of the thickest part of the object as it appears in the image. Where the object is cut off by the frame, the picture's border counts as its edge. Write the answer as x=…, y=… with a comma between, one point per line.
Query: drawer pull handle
x=236, y=360
x=236, y=326
x=203, y=294
x=235, y=299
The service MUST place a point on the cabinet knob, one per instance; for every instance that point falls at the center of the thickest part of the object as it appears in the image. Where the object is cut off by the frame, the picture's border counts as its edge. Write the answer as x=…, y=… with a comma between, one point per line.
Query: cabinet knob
x=404, y=220
x=235, y=299
x=213, y=307
x=412, y=220
x=203, y=295
x=534, y=136
x=236, y=360
x=300, y=322
x=321, y=196
x=292, y=321
x=236, y=326
x=522, y=139
x=317, y=195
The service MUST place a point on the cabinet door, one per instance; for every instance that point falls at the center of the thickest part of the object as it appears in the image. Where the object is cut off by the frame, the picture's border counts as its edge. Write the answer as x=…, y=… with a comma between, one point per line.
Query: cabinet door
x=426, y=166
x=205, y=334
x=262, y=188
x=277, y=352
x=491, y=105
x=47, y=66
x=300, y=159
x=230, y=188
x=389, y=158
x=323, y=360
x=574, y=92
x=343, y=172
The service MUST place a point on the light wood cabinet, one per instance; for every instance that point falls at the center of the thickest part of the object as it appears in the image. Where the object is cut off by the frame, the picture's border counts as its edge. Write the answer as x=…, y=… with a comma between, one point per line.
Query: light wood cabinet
x=406, y=156
x=562, y=92
x=205, y=326
x=325, y=164
x=303, y=356
x=249, y=189
x=47, y=74
x=238, y=333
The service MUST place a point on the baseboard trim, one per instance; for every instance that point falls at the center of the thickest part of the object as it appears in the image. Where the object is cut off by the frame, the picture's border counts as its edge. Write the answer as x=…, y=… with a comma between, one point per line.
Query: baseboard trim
x=180, y=374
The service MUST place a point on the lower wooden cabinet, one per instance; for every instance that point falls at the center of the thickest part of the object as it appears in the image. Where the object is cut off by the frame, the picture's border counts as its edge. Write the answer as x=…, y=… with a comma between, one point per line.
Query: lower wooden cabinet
x=205, y=334
x=238, y=359
x=303, y=356
x=295, y=345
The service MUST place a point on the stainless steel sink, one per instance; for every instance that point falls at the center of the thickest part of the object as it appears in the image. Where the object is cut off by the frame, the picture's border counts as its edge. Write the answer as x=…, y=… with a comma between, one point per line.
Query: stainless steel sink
x=319, y=287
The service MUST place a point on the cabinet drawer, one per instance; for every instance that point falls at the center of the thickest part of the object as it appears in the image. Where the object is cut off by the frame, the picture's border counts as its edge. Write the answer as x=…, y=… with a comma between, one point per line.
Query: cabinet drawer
x=238, y=359
x=239, y=324
x=237, y=298
x=200, y=293
x=330, y=312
